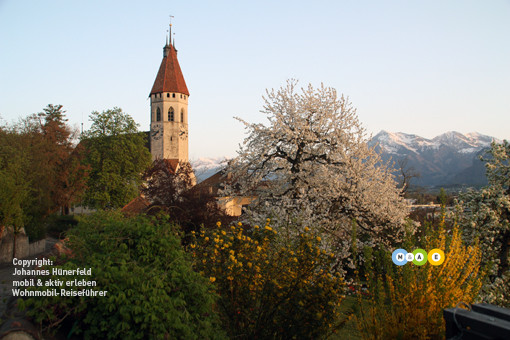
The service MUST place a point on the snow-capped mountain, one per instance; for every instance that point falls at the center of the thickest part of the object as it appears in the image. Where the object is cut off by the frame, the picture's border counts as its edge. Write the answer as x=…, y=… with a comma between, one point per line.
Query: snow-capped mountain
x=449, y=159
x=206, y=167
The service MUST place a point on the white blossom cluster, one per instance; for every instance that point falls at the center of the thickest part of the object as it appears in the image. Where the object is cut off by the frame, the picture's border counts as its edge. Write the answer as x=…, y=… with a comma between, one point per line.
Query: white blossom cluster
x=486, y=217
x=311, y=166
x=498, y=291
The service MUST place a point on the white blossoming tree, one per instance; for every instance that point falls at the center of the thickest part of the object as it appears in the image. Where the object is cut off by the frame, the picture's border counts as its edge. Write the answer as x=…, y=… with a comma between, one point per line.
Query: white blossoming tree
x=311, y=166
x=486, y=216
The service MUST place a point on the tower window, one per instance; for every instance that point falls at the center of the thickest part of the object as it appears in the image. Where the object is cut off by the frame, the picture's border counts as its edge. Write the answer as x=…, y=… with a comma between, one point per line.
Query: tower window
x=171, y=114
x=158, y=114
x=182, y=115
x=173, y=95
x=181, y=96
x=168, y=95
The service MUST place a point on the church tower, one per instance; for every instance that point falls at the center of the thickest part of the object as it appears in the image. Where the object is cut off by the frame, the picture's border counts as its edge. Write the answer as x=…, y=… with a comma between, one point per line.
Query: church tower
x=169, y=110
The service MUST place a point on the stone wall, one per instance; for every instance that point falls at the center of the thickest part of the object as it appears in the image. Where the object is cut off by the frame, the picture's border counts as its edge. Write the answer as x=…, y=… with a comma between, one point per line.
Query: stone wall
x=36, y=247
x=23, y=248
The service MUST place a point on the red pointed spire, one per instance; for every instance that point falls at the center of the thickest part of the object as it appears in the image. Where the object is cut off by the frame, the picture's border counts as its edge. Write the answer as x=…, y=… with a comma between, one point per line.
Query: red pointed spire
x=170, y=78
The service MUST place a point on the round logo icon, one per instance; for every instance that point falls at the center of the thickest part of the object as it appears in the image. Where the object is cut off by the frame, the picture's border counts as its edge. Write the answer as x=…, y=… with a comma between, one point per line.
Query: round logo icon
x=399, y=257
x=436, y=257
x=409, y=257
x=420, y=257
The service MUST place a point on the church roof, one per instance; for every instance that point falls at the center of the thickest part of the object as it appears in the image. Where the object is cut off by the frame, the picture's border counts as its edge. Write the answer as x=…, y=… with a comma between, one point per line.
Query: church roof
x=169, y=78
x=172, y=164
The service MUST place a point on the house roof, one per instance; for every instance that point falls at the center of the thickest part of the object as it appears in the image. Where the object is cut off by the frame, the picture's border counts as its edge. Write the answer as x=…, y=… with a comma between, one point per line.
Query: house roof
x=169, y=78
x=212, y=184
x=172, y=164
x=136, y=206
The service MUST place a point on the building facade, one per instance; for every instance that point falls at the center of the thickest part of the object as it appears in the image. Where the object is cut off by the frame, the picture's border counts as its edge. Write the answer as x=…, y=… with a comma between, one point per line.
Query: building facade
x=169, y=110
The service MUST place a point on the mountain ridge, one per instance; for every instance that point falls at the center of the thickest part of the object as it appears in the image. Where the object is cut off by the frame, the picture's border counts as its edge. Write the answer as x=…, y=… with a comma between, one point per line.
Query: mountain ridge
x=449, y=159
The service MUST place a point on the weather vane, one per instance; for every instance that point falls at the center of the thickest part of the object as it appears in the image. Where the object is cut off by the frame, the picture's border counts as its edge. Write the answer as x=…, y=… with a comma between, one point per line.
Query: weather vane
x=170, y=30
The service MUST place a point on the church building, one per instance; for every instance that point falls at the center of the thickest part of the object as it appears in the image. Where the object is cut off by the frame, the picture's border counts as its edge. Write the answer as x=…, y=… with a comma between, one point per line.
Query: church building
x=169, y=110
x=169, y=131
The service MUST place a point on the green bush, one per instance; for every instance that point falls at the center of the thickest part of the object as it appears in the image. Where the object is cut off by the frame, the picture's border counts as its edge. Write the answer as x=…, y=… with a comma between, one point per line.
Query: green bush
x=36, y=230
x=152, y=289
x=59, y=224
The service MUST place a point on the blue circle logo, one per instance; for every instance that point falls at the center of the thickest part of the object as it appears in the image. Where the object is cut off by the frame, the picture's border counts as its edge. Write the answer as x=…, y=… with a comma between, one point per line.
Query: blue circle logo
x=399, y=257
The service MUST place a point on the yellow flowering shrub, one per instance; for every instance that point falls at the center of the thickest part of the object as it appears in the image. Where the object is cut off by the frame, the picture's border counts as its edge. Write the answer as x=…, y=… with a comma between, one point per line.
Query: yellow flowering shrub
x=407, y=302
x=266, y=289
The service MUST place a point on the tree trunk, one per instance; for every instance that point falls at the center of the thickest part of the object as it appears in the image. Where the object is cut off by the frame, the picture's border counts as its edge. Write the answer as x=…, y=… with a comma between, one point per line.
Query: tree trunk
x=14, y=234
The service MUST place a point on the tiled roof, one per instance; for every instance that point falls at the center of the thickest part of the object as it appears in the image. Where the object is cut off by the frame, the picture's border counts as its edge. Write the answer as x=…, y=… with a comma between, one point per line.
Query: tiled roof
x=172, y=164
x=136, y=206
x=170, y=78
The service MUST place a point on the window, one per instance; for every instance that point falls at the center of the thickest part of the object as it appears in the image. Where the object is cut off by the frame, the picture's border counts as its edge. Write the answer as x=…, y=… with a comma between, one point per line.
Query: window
x=168, y=95
x=171, y=114
x=182, y=115
x=158, y=115
x=173, y=95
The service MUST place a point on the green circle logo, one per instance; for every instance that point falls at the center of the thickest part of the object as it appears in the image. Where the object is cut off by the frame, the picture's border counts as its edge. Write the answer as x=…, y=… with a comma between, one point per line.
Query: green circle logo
x=420, y=257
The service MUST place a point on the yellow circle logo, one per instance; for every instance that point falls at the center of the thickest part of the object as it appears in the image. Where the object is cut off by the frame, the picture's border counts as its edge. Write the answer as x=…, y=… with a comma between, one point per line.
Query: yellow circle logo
x=436, y=257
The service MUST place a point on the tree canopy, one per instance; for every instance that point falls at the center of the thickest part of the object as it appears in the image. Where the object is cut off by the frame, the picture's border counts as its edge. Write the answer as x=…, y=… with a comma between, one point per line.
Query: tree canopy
x=152, y=290
x=117, y=156
x=14, y=187
x=486, y=217
x=173, y=191
x=41, y=170
x=487, y=211
x=311, y=166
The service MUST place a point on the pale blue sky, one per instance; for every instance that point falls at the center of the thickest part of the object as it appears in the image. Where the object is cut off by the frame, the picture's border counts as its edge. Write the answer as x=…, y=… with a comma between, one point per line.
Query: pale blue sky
x=422, y=67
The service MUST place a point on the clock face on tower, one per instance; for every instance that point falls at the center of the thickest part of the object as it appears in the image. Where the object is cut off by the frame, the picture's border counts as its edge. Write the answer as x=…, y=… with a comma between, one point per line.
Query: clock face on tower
x=183, y=133
x=157, y=132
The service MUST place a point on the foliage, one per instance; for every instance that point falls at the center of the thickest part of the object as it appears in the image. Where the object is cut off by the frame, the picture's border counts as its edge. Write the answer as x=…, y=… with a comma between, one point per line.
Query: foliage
x=152, y=289
x=311, y=166
x=117, y=156
x=174, y=193
x=166, y=185
x=69, y=175
x=497, y=291
x=41, y=169
x=267, y=290
x=14, y=188
x=486, y=212
x=56, y=170
x=406, y=302
x=58, y=225
x=486, y=216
